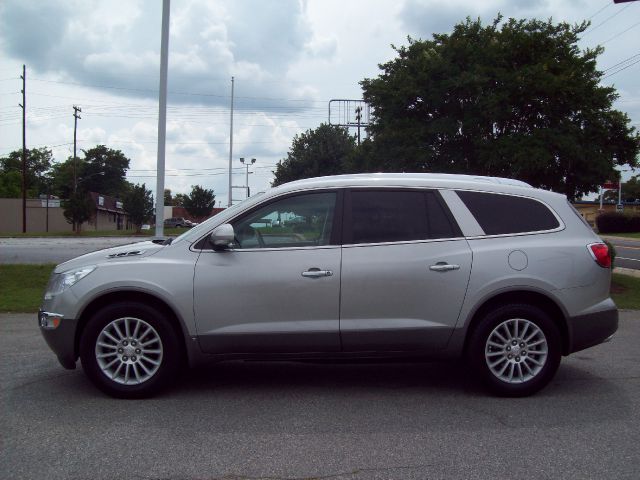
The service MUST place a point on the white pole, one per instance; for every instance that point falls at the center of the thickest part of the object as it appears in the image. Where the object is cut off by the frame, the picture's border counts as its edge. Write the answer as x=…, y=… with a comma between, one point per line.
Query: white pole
x=231, y=147
x=162, y=117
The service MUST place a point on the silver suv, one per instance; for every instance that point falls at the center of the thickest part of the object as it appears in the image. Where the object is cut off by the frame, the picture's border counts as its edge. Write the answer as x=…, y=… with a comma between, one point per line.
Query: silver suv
x=376, y=266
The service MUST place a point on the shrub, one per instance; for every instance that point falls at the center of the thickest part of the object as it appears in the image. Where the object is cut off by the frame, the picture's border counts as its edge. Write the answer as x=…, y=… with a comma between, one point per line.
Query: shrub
x=616, y=222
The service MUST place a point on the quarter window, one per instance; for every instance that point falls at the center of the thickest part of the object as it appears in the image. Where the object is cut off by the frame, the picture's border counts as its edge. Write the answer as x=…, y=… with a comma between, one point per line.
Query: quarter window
x=297, y=221
x=379, y=216
x=504, y=214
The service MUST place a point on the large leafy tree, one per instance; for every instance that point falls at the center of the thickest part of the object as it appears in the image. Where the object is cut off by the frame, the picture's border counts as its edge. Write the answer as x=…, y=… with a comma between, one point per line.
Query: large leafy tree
x=137, y=202
x=105, y=171
x=199, y=202
x=326, y=150
x=516, y=99
x=38, y=167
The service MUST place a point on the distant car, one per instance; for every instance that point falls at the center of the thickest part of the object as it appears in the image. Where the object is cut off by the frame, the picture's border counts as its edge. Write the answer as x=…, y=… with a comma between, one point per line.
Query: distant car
x=177, y=222
x=507, y=276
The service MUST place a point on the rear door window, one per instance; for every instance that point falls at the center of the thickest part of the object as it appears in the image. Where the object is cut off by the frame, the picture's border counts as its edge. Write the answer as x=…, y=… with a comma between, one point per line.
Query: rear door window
x=500, y=214
x=378, y=216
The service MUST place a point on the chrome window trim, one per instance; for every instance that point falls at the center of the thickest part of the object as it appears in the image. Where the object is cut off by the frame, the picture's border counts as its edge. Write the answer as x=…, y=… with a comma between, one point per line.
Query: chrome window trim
x=403, y=242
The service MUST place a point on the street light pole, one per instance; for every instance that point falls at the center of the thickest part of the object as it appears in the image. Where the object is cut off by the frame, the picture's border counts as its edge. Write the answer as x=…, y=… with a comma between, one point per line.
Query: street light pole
x=246, y=177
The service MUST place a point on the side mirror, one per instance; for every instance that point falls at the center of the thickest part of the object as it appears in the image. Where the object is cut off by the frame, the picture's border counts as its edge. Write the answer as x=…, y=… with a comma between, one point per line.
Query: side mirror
x=222, y=237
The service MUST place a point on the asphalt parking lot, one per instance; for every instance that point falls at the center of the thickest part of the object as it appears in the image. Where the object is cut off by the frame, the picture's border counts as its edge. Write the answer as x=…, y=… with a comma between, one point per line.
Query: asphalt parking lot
x=319, y=421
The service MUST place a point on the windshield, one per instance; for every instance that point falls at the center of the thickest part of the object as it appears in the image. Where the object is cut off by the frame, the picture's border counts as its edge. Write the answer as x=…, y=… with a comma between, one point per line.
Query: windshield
x=195, y=232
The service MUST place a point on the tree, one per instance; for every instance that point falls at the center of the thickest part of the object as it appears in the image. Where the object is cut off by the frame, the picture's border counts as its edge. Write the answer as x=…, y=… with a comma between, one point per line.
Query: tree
x=78, y=208
x=38, y=167
x=137, y=202
x=327, y=150
x=515, y=99
x=199, y=202
x=179, y=200
x=168, y=198
x=105, y=171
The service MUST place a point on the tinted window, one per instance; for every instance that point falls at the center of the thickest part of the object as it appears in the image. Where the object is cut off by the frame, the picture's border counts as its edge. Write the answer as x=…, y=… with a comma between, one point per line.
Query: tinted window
x=395, y=216
x=503, y=214
x=297, y=221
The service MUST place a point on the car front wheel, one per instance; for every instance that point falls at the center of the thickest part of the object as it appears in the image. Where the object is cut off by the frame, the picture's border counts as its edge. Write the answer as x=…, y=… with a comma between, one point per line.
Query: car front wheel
x=130, y=350
x=516, y=350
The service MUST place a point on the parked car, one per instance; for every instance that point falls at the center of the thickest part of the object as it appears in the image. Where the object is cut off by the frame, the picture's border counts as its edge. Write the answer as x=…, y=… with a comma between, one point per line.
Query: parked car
x=381, y=265
x=177, y=222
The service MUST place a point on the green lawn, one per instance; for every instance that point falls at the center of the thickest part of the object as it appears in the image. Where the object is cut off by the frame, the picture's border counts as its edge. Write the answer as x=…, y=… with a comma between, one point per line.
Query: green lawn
x=625, y=291
x=22, y=287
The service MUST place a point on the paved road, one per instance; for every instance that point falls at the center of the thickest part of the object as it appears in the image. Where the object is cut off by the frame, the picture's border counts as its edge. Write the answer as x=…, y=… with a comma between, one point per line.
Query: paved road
x=305, y=421
x=55, y=249
x=627, y=252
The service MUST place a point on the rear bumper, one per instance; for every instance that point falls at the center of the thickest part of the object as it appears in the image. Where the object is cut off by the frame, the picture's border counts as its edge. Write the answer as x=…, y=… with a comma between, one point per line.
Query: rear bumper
x=60, y=339
x=592, y=328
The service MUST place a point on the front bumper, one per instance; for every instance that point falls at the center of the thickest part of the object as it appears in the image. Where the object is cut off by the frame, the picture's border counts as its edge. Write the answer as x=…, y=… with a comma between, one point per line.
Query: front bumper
x=592, y=328
x=60, y=335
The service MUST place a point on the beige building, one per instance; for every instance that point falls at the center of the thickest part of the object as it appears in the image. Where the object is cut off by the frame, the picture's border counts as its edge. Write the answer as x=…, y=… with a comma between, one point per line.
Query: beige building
x=108, y=215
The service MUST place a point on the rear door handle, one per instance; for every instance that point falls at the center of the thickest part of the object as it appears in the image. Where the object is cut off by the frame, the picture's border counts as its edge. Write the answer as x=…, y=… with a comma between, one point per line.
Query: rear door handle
x=317, y=273
x=443, y=267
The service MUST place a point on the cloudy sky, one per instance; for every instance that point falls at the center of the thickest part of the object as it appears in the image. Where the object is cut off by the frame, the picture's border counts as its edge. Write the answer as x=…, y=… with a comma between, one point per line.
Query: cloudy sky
x=289, y=58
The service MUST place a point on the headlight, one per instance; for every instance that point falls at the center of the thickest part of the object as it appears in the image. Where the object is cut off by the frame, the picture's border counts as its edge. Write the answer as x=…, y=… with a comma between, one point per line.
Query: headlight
x=59, y=282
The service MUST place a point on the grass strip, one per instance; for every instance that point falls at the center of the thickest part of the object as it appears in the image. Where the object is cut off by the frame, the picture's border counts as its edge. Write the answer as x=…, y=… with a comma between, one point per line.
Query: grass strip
x=22, y=286
x=625, y=291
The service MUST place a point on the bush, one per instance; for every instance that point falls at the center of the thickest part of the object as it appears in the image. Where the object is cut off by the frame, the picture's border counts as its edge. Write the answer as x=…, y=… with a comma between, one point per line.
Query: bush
x=616, y=222
x=612, y=252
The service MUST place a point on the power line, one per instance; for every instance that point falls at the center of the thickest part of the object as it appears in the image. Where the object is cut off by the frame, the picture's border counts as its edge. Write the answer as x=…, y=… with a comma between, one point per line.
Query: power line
x=621, y=69
x=618, y=34
x=608, y=4
x=590, y=30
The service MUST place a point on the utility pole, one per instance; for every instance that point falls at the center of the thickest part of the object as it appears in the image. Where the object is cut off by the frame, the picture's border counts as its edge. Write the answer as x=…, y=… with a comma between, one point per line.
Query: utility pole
x=162, y=117
x=358, y=119
x=75, y=158
x=24, y=148
x=246, y=177
x=231, y=147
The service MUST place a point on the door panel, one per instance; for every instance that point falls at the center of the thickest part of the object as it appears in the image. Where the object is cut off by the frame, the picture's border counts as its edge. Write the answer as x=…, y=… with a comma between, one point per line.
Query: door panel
x=392, y=300
x=258, y=301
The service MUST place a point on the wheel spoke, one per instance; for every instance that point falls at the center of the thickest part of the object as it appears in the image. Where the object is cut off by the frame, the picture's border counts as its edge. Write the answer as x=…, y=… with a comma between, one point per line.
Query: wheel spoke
x=106, y=345
x=135, y=372
x=115, y=374
x=105, y=355
x=110, y=337
x=150, y=360
x=126, y=327
x=499, y=335
x=136, y=329
x=117, y=329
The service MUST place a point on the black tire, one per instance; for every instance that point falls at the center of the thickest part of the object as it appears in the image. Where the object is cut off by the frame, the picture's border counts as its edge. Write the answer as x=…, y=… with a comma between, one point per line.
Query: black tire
x=163, y=338
x=488, y=359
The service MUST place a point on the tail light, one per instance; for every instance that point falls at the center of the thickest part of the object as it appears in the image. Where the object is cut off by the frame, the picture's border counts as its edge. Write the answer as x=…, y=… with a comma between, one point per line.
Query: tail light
x=600, y=253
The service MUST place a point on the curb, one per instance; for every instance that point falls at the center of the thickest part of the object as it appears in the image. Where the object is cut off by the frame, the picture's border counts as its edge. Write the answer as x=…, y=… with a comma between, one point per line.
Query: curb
x=627, y=271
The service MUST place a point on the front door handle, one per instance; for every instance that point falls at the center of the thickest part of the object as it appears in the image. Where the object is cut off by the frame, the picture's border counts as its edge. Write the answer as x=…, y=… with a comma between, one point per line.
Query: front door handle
x=317, y=273
x=443, y=267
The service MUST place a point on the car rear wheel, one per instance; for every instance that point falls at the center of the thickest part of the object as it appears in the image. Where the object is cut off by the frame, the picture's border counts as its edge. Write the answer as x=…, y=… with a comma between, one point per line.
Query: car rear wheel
x=516, y=350
x=130, y=350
